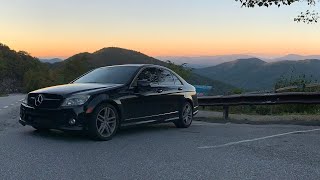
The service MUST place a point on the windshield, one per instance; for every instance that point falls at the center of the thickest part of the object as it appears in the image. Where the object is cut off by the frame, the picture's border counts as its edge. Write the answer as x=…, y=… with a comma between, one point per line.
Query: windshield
x=109, y=75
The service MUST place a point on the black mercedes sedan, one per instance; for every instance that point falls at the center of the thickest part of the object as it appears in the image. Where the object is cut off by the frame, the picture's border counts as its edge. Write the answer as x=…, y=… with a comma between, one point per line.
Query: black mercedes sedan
x=107, y=98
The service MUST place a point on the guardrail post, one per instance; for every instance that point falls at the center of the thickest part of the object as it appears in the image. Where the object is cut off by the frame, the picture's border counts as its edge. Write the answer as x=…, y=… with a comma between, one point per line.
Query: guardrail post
x=226, y=112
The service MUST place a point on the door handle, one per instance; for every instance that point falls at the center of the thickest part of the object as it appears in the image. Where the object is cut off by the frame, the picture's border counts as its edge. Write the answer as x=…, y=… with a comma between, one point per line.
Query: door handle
x=159, y=90
x=180, y=88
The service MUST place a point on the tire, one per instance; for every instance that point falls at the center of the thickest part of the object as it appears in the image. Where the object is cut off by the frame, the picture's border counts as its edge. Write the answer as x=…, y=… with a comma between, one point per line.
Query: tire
x=104, y=122
x=185, y=116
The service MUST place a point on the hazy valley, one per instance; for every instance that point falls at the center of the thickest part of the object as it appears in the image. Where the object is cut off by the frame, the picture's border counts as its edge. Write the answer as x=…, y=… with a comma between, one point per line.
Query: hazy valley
x=256, y=74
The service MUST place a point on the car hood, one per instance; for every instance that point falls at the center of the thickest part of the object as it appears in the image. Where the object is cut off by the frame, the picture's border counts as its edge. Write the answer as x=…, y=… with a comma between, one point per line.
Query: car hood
x=68, y=89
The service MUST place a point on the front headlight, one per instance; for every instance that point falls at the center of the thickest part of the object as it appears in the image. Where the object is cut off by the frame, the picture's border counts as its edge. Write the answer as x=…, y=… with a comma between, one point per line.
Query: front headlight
x=76, y=100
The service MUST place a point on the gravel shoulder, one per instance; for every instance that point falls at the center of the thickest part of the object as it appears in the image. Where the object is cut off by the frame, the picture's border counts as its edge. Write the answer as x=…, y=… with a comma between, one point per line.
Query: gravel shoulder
x=217, y=117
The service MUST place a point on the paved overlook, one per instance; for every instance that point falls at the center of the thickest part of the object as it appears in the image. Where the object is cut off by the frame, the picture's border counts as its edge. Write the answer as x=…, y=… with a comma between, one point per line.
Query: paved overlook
x=204, y=151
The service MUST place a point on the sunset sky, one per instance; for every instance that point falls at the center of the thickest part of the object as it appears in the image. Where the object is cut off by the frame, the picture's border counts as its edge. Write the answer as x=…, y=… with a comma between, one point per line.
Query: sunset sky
x=61, y=28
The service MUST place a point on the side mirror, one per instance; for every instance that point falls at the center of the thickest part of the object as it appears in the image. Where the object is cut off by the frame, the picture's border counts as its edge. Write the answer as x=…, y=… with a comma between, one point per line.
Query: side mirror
x=143, y=83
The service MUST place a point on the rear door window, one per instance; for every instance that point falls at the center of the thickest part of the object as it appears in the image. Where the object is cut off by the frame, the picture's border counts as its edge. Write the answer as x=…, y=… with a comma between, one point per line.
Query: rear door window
x=177, y=81
x=166, y=78
x=151, y=75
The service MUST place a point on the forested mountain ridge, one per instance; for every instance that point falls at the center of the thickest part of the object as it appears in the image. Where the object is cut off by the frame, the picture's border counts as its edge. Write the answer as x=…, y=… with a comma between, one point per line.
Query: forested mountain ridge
x=78, y=64
x=20, y=72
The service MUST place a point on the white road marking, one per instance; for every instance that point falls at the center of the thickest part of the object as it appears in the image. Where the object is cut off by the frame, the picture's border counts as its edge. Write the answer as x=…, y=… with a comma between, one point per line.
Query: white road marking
x=5, y=107
x=12, y=104
x=257, y=139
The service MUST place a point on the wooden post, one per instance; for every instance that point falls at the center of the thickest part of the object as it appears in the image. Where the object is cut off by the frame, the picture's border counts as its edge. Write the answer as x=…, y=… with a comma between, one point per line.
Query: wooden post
x=226, y=112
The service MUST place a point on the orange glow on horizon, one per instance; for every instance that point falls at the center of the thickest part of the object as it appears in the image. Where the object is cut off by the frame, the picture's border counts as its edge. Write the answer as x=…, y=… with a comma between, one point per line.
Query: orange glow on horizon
x=66, y=51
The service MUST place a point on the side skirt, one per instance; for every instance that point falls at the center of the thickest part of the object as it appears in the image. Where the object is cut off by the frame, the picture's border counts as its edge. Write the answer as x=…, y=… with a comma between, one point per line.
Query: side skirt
x=149, y=122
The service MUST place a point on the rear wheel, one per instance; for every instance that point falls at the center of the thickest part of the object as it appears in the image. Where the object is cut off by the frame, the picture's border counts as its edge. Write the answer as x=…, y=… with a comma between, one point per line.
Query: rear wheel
x=104, y=122
x=185, y=116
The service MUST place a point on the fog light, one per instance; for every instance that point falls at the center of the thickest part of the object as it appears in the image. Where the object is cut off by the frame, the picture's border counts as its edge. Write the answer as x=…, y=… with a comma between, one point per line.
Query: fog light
x=72, y=121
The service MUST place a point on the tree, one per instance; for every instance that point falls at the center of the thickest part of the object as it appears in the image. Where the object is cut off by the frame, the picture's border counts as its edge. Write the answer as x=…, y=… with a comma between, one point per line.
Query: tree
x=294, y=82
x=182, y=70
x=310, y=16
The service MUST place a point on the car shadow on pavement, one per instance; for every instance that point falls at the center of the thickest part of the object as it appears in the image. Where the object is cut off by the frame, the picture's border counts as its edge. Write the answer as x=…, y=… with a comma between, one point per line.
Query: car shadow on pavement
x=82, y=136
x=61, y=135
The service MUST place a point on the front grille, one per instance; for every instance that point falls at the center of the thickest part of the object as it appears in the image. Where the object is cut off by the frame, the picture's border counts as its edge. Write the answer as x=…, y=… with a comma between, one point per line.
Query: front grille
x=50, y=101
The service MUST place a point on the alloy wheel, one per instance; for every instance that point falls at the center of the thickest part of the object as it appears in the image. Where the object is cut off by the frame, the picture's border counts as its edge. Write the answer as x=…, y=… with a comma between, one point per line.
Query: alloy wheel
x=106, y=122
x=187, y=114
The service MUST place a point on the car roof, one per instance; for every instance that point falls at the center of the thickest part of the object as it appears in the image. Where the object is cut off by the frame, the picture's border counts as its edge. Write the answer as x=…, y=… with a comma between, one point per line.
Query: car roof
x=140, y=66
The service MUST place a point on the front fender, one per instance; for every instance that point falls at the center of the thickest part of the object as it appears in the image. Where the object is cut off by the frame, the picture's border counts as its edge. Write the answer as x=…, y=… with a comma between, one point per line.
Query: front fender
x=104, y=98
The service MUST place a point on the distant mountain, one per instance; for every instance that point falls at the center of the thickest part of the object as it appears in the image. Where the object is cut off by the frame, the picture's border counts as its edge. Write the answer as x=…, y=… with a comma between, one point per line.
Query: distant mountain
x=81, y=63
x=207, y=61
x=51, y=61
x=295, y=57
x=255, y=74
x=203, y=61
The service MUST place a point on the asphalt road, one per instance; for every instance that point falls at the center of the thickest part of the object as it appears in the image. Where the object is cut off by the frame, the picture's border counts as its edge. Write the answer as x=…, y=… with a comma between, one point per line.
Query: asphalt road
x=10, y=101
x=203, y=151
x=9, y=111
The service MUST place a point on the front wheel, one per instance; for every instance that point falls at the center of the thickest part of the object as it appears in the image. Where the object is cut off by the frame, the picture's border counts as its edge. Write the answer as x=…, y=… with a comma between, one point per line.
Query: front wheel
x=104, y=122
x=185, y=116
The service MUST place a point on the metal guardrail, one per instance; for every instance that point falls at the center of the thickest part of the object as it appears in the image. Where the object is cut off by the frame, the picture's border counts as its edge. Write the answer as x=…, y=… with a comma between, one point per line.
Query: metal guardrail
x=259, y=99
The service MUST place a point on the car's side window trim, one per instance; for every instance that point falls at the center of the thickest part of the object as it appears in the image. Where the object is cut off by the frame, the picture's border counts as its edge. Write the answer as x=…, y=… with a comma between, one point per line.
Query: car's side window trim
x=135, y=77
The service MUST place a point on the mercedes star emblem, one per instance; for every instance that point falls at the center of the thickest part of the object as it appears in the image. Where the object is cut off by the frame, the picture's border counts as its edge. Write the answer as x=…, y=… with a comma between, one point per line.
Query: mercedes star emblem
x=38, y=100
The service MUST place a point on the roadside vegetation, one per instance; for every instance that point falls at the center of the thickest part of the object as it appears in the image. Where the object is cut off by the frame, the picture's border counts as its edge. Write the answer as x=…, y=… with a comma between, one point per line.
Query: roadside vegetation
x=19, y=71
x=270, y=109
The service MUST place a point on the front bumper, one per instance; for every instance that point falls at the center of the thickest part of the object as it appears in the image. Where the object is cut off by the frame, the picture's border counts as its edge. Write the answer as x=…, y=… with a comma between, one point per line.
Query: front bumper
x=53, y=118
